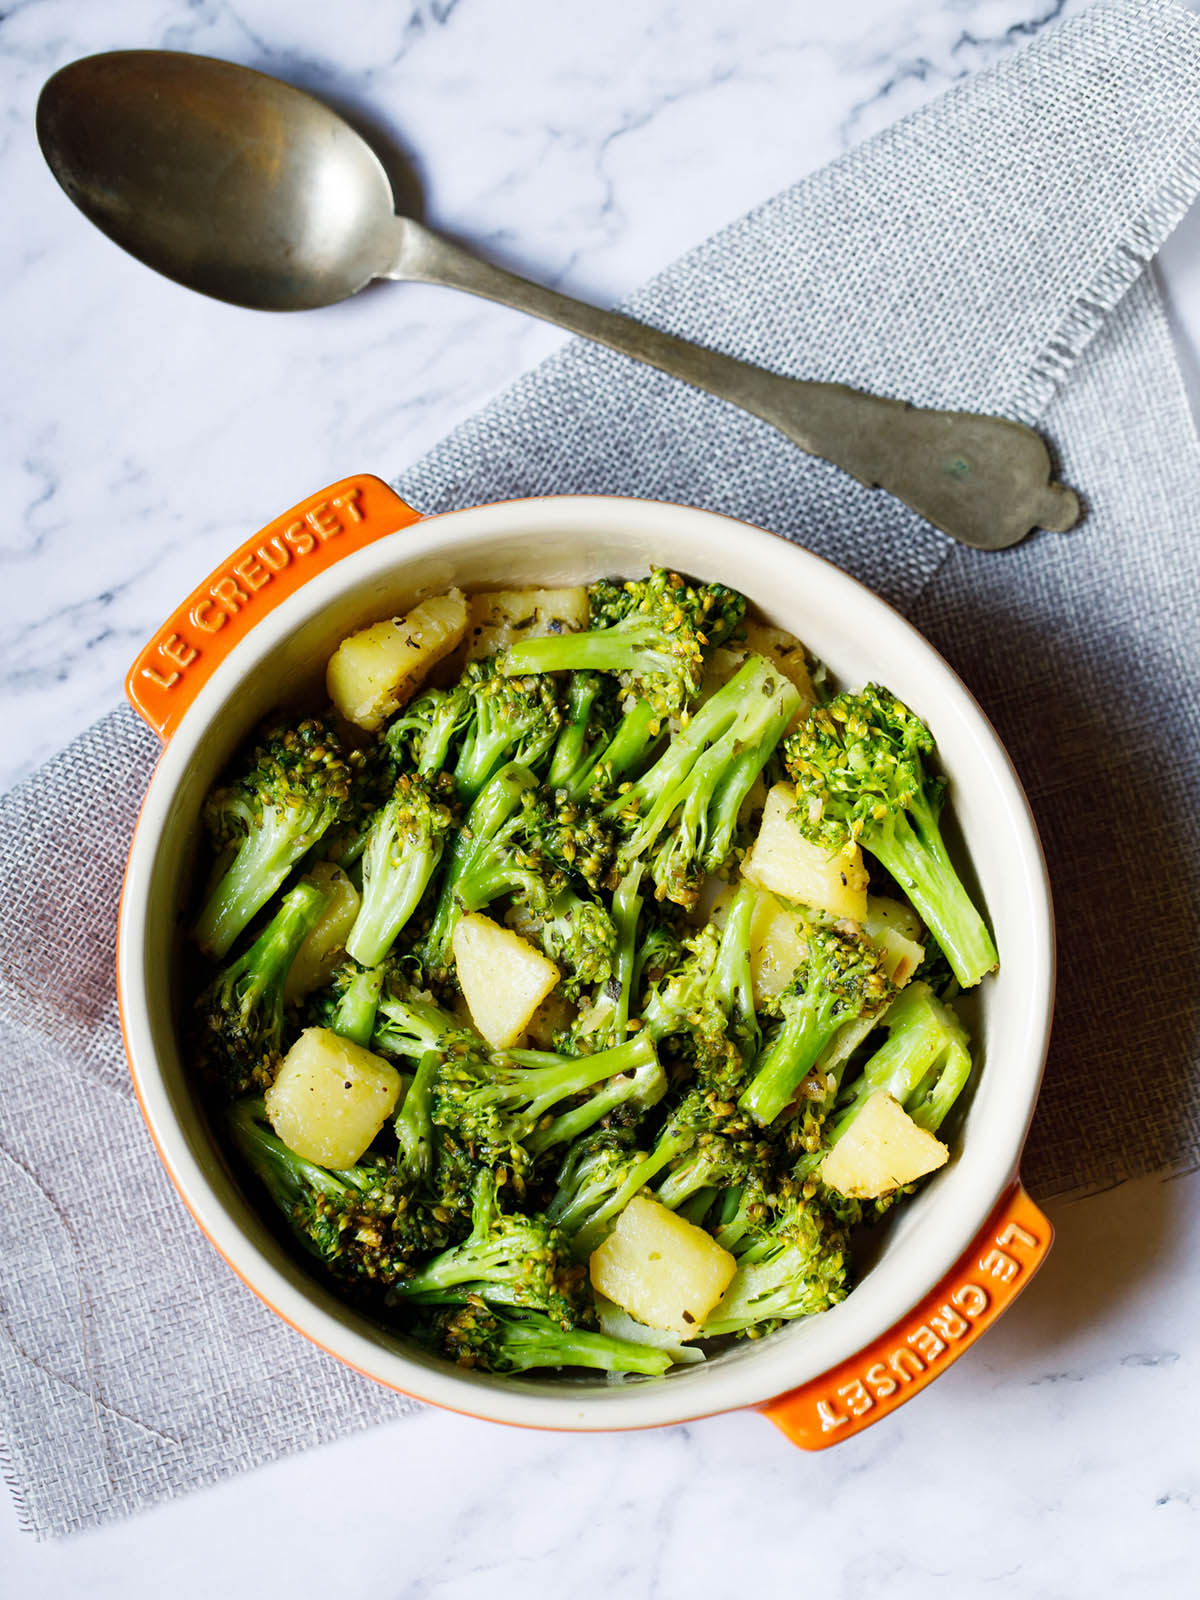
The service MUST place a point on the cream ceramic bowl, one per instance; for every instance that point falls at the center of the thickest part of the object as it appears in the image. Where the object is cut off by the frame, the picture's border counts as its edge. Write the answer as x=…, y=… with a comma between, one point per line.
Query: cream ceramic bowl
x=259, y=632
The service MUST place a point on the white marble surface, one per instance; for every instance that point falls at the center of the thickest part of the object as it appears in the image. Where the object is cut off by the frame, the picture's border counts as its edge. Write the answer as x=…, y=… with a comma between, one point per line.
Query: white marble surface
x=146, y=430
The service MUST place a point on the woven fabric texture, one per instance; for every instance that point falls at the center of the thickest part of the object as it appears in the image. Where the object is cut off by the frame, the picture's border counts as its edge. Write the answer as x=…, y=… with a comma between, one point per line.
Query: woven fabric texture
x=989, y=252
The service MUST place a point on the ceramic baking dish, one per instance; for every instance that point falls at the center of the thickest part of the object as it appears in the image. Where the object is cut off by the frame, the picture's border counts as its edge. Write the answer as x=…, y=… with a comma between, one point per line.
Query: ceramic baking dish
x=257, y=634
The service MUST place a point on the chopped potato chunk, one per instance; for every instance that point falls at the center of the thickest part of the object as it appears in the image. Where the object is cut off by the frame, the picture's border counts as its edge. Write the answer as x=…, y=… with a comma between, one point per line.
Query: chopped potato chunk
x=782, y=860
x=322, y=950
x=895, y=929
x=881, y=1150
x=499, y=619
x=778, y=940
x=664, y=1271
x=503, y=978
x=331, y=1098
x=373, y=672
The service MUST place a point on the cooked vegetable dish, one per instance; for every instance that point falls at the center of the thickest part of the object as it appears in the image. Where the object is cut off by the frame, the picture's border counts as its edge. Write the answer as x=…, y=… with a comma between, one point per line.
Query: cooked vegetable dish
x=576, y=984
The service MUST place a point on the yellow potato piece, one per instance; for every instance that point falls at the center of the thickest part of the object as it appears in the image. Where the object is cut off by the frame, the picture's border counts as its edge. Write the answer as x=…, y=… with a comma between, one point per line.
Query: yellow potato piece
x=881, y=1150
x=499, y=619
x=373, y=672
x=661, y=1269
x=895, y=929
x=782, y=860
x=503, y=978
x=326, y=943
x=778, y=941
x=331, y=1098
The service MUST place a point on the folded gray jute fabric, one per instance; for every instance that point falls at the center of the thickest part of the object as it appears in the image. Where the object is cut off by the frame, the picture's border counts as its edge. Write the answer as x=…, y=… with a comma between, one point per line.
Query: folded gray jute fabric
x=989, y=252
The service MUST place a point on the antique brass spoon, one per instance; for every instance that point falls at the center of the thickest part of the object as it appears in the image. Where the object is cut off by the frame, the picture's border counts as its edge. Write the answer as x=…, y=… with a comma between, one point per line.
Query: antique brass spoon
x=249, y=190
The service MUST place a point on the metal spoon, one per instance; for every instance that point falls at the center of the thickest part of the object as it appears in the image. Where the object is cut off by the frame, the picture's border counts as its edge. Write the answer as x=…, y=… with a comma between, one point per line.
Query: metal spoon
x=249, y=190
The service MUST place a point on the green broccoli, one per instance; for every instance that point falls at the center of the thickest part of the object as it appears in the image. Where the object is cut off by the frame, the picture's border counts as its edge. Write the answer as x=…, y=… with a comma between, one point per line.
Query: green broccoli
x=357, y=1006
x=364, y=1223
x=795, y=1266
x=681, y=814
x=924, y=1063
x=240, y=1015
x=422, y=734
x=520, y=1260
x=479, y=851
x=840, y=978
x=294, y=788
x=513, y=719
x=403, y=848
x=859, y=769
x=516, y=1341
x=656, y=643
x=513, y=1108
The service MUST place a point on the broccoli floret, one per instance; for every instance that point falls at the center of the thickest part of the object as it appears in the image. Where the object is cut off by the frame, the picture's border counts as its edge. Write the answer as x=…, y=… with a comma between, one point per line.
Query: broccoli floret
x=656, y=643
x=240, y=1014
x=577, y=934
x=725, y=1150
x=410, y=1024
x=571, y=833
x=859, y=769
x=422, y=734
x=841, y=977
x=359, y=989
x=521, y=1260
x=600, y=1174
x=482, y=847
x=511, y=1109
x=363, y=1223
x=516, y=1341
x=794, y=1267
x=604, y=1020
x=403, y=848
x=295, y=787
x=682, y=812
x=707, y=1000
x=924, y=1064
x=513, y=719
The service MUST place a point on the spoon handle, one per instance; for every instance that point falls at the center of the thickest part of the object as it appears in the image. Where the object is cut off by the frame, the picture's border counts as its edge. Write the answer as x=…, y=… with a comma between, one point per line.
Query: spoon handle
x=986, y=481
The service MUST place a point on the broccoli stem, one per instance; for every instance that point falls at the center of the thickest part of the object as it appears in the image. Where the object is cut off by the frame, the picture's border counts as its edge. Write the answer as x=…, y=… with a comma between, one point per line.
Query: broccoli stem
x=924, y=1063
x=629, y=647
x=732, y=975
x=414, y=1125
x=918, y=860
x=354, y=1018
x=398, y=862
x=261, y=865
x=286, y=1176
x=550, y=1078
x=492, y=807
x=627, y=910
x=807, y=1028
x=571, y=745
x=644, y=1087
x=609, y=763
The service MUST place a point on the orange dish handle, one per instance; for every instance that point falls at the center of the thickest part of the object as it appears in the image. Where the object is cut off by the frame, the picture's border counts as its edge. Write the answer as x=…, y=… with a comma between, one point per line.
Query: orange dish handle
x=1000, y=1262
x=196, y=638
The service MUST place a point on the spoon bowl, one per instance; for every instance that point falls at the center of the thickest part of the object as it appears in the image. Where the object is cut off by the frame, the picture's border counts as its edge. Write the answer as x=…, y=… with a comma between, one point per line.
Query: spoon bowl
x=224, y=179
